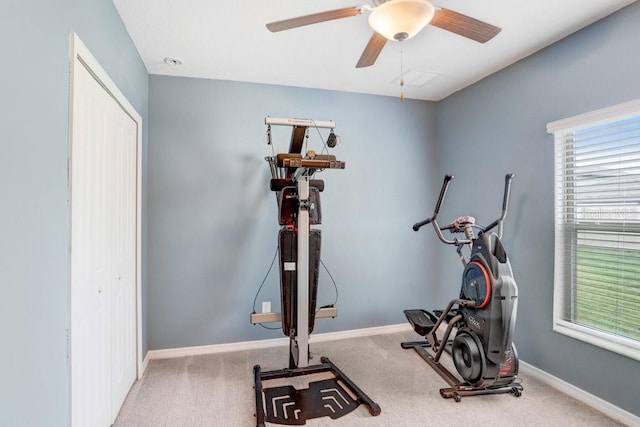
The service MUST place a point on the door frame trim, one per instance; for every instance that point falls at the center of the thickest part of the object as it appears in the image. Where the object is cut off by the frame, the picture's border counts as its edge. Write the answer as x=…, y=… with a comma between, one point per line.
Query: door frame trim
x=80, y=56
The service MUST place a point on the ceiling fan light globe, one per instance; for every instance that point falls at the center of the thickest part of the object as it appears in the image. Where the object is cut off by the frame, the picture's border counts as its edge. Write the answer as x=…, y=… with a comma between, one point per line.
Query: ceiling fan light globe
x=401, y=19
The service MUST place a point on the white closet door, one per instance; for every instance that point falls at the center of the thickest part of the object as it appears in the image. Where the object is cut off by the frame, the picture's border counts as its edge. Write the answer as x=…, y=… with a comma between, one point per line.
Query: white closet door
x=103, y=253
x=123, y=253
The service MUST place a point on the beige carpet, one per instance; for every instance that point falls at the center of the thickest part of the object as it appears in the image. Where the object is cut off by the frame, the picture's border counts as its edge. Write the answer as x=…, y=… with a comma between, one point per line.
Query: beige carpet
x=217, y=390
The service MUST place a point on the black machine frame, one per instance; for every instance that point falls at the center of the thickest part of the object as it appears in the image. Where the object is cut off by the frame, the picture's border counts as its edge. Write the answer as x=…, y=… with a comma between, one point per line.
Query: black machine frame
x=484, y=315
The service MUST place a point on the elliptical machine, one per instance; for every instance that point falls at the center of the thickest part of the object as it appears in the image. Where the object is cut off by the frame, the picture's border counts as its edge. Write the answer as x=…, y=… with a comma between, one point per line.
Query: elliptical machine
x=484, y=315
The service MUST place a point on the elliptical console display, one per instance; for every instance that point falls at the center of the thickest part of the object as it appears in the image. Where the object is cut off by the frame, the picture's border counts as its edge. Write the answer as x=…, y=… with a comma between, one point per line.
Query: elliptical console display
x=484, y=315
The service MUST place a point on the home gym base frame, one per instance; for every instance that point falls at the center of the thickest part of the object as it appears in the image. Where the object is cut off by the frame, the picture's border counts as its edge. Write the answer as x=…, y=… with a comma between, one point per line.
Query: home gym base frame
x=288, y=405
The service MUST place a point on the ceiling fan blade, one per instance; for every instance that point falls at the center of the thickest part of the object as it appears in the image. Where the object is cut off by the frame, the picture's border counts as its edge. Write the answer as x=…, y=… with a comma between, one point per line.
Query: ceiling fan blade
x=314, y=18
x=372, y=50
x=464, y=25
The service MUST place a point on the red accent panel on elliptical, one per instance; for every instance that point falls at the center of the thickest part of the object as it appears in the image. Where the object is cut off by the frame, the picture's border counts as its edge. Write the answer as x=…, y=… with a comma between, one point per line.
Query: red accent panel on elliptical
x=487, y=279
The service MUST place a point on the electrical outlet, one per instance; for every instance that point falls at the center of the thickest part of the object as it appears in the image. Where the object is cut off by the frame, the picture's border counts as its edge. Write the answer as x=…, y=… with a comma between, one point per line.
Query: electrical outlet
x=266, y=306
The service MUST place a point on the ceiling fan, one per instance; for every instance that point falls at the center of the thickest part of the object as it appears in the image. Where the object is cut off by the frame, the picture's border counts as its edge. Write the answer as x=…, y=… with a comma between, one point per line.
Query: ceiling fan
x=396, y=20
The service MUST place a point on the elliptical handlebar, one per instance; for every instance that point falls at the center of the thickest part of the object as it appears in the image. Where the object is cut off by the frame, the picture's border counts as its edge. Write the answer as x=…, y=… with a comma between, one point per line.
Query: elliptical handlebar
x=433, y=219
x=505, y=203
x=443, y=191
x=419, y=225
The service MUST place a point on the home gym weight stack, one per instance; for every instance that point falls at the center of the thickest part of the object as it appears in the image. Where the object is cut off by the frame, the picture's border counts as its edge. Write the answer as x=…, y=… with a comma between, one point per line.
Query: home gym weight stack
x=298, y=197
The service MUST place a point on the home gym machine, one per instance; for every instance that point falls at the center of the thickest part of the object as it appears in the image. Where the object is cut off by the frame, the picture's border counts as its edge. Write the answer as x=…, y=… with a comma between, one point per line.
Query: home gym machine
x=484, y=315
x=298, y=197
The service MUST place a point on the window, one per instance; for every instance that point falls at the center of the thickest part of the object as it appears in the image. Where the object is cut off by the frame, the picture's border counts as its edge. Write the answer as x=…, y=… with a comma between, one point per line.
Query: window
x=597, y=228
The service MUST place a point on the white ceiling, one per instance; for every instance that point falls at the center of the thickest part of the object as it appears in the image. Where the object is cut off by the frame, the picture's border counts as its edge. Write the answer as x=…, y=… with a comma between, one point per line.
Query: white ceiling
x=228, y=40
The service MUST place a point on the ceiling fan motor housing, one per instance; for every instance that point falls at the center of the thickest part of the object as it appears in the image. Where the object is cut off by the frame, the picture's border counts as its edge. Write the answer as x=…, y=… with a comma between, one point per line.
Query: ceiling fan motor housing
x=401, y=19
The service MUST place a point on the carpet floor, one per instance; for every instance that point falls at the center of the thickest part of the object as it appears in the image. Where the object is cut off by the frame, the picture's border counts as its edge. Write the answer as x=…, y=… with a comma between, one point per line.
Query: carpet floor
x=217, y=390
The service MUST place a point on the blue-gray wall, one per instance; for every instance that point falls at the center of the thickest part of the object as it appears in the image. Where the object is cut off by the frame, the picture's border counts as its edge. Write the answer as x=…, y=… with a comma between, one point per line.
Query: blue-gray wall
x=498, y=125
x=213, y=221
x=34, y=238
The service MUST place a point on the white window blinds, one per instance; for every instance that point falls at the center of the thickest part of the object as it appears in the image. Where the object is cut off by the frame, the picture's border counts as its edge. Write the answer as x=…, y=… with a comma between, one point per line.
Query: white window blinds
x=597, y=214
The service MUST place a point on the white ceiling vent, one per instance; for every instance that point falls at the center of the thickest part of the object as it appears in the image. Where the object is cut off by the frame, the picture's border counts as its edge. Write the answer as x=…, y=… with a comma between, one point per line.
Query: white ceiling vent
x=415, y=78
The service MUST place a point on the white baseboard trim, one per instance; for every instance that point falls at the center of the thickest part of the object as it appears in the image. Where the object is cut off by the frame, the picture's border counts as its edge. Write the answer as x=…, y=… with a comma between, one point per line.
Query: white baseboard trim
x=276, y=342
x=577, y=393
x=379, y=330
x=145, y=363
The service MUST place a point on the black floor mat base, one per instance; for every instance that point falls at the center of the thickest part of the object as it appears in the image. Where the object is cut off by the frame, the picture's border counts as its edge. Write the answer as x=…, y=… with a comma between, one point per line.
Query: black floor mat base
x=288, y=405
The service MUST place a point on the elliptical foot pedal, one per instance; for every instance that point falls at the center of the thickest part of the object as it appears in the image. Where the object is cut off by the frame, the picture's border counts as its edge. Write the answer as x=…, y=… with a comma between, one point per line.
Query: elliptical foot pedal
x=450, y=315
x=288, y=405
x=422, y=321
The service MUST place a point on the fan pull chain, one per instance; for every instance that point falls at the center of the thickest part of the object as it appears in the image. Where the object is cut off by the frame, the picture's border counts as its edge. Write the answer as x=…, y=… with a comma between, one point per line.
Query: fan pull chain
x=401, y=76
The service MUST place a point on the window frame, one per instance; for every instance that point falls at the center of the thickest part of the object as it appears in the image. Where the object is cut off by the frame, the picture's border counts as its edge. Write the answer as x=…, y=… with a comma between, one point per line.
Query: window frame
x=562, y=287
